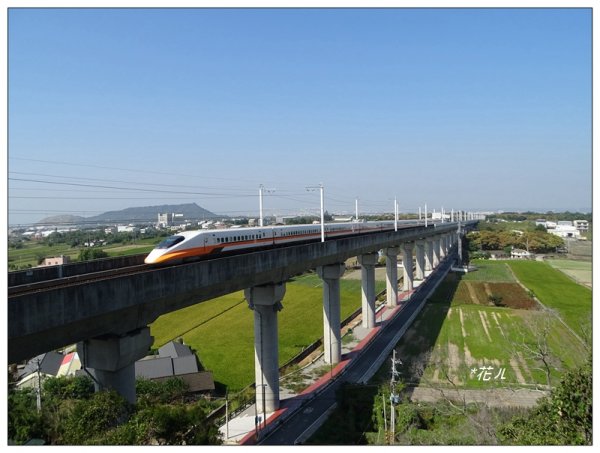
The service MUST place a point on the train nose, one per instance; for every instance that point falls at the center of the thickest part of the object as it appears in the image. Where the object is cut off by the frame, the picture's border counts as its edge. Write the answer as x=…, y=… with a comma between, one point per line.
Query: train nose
x=152, y=257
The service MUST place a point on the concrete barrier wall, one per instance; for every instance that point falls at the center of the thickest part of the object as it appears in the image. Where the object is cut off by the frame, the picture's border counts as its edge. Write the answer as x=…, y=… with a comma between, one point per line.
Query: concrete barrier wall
x=40, y=274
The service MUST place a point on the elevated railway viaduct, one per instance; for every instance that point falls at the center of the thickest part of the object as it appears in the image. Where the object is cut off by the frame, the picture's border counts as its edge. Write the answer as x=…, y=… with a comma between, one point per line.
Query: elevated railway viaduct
x=107, y=312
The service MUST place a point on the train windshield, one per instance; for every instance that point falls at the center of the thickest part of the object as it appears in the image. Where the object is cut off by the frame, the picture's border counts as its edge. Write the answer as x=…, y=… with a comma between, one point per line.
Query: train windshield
x=170, y=242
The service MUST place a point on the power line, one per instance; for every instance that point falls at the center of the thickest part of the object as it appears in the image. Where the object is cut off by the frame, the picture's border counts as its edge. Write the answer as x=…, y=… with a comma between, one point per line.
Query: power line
x=137, y=189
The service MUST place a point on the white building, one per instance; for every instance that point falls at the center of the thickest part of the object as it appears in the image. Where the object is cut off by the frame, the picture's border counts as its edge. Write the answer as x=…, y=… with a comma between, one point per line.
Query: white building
x=520, y=254
x=581, y=225
x=566, y=230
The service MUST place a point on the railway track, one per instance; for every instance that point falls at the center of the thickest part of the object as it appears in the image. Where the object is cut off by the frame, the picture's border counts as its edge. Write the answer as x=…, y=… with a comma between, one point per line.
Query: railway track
x=80, y=279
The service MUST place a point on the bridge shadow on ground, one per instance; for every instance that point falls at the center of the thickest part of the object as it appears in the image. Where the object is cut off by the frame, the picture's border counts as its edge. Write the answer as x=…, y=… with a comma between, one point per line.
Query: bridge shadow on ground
x=416, y=348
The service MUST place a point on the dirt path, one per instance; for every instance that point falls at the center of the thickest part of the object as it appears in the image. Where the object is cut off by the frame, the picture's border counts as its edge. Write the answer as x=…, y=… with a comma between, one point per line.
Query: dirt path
x=485, y=325
x=472, y=293
x=462, y=323
x=493, y=397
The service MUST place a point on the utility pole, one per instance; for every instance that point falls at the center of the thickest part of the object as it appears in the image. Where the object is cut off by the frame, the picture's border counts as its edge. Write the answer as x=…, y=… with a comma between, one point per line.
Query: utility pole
x=38, y=391
x=394, y=398
x=425, y=214
x=356, y=209
x=311, y=189
x=226, y=417
x=262, y=189
x=395, y=214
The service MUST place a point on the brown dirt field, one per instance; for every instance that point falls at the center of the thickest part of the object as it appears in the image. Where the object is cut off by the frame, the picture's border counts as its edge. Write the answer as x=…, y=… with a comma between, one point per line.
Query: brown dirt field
x=513, y=296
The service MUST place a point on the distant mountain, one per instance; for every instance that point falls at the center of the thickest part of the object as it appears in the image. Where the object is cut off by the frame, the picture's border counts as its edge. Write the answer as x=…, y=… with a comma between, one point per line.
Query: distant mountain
x=189, y=211
x=62, y=220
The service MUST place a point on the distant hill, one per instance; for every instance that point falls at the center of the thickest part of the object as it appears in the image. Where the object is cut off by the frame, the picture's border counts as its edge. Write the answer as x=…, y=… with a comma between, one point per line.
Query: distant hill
x=190, y=211
x=62, y=220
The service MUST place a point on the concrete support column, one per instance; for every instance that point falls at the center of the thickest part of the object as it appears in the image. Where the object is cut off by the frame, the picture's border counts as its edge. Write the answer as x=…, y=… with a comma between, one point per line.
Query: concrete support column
x=367, y=263
x=444, y=245
x=110, y=359
x=332, y=344
x=420, y=274
x=266, y=302
x=436, y=252
x=460, y=249
x=407, y=262
x=442, y=248
x=391, y=275
x=428, y=254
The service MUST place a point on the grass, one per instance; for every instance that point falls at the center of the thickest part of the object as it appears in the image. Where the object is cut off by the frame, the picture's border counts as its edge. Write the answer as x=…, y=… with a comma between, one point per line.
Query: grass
x=222, y=330
x=555, y=290
x=454, y=335
x=489, y=271
x=580, y=271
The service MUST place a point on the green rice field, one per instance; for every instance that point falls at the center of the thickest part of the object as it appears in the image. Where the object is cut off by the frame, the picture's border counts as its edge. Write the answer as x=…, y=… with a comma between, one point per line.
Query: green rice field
x=221, y=331
x=580, y=271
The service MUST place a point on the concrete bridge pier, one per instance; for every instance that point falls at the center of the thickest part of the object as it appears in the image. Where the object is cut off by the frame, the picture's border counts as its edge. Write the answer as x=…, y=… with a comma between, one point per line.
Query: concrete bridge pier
x=367, y=263
x=332, y=334
x=420, y=259
x=407, y=262
x=436, y=252
x=428, y=255
x=442, y=248
x=391, y=275
x=265, y=300
x=110, y=359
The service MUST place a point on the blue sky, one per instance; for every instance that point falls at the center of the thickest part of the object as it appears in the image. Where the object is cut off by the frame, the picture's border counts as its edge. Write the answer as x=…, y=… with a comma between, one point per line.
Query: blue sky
x=480, y=109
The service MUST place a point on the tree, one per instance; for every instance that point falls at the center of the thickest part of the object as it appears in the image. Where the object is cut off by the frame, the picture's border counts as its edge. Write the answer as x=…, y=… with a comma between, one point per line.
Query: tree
x=90, y=419
x=24, y=421
x=564, y=418
x=88, y=254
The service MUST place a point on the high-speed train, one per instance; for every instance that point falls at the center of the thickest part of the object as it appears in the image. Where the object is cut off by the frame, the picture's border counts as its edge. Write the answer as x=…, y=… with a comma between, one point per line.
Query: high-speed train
x=191, y=245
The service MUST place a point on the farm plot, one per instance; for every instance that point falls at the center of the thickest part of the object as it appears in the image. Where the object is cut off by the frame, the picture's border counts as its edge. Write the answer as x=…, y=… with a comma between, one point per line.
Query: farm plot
x=481, y=347
x=572, y=302
x=460, y=338
x=490, y=271
x=580, y=271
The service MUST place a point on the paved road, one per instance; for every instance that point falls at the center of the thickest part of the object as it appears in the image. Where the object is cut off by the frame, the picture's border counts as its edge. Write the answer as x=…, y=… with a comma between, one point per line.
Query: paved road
x=298, y=427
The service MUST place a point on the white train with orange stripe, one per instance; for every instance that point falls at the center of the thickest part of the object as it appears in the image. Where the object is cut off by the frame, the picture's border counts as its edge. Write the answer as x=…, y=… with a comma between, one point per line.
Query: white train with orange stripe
x=190, y=245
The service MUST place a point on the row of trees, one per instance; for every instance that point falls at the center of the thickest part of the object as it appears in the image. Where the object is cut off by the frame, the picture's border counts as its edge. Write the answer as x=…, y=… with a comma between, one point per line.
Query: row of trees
x=532, y=216
x=73, y=414
x=536, y=241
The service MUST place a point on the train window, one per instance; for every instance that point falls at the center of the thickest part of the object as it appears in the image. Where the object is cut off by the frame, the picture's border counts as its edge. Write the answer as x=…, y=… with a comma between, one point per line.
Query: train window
x=170, y=242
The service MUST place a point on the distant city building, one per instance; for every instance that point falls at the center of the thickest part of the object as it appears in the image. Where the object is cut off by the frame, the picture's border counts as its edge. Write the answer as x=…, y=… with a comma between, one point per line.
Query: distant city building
x=581, y=225
x=343, y=218
x=283, y=219
x=565, y=230
x=55, y=261
x=163, y=220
